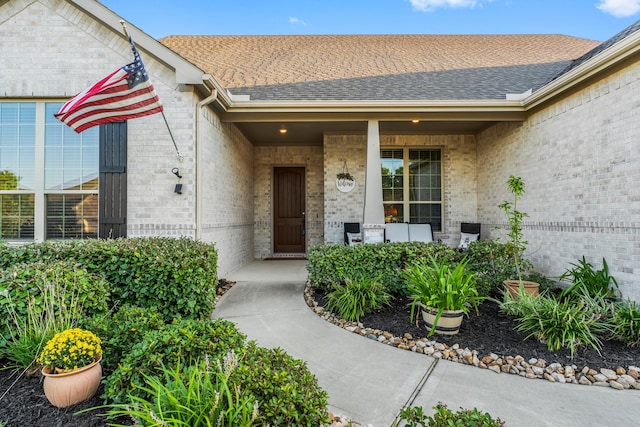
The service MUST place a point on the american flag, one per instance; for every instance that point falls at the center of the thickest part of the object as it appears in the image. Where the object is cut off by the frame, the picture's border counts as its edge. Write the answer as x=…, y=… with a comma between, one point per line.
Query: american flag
x=124, y=94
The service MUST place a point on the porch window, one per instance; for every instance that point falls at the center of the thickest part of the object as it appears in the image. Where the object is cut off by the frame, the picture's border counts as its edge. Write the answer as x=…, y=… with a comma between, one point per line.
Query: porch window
x=48, y=175
x=412, y=185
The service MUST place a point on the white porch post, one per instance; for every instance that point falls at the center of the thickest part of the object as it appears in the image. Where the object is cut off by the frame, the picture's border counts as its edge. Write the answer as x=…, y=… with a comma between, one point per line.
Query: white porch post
x=373, y=224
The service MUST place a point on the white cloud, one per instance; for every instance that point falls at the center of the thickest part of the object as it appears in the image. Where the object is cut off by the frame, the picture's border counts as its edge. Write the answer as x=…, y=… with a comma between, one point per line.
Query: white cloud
x=296, y=21
x=620, y=8
x=430, y=5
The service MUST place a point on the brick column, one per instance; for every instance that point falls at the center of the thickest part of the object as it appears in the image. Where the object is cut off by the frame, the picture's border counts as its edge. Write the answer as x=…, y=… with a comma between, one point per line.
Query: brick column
x=373, y=224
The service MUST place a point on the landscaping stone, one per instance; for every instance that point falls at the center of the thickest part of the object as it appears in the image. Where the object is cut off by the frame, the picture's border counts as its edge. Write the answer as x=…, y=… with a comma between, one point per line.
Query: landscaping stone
x=610, y=374
x=616, y=385
x=532, y=368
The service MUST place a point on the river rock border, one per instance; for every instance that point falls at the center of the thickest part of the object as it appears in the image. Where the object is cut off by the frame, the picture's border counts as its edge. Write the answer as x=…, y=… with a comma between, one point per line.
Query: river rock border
x=619, y=379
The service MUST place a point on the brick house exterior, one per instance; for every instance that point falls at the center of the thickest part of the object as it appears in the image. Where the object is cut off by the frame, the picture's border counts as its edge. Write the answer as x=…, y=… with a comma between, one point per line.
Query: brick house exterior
x=556, y=110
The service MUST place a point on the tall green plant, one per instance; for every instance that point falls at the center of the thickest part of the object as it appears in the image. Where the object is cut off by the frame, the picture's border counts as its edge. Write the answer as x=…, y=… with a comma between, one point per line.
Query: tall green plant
x=195, y=396
x=436, y=284
x=357, y=297
x=560, y=322
x=626, y=323
x=515, y=218
x=585, y=278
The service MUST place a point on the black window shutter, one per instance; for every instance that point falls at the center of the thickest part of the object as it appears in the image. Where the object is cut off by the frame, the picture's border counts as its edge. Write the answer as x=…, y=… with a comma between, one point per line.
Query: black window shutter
x=113, y=180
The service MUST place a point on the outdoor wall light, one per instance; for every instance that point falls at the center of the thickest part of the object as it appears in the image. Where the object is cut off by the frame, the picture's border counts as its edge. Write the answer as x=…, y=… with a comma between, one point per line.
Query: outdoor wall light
x=283, y=130
x=176, y=172
x=178, y=189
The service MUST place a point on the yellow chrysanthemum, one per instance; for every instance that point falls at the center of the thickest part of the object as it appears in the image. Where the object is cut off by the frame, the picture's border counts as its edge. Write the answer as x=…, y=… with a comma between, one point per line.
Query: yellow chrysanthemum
x=70, y=349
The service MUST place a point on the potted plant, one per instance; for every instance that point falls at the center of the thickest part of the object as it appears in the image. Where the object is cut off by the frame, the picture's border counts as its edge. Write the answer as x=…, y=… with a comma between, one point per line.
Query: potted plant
x=71, y=367
x=442, y=294
x=515, y=238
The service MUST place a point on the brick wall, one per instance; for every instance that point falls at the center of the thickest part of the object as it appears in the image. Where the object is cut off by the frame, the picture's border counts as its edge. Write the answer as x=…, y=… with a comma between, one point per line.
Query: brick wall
x=227, y=192
x=265, y=159
x=580, y=160
x=78, y=51
x=459, y=171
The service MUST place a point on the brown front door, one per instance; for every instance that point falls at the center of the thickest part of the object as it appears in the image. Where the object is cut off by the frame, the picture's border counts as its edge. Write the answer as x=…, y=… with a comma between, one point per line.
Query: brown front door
x=288, y=207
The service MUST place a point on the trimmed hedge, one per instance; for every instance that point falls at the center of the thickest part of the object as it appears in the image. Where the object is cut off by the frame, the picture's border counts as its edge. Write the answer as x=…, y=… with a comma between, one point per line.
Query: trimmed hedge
x=121, y=330
x=176, y=276
x=183, y=342
x=329, y=265
x=287, y=393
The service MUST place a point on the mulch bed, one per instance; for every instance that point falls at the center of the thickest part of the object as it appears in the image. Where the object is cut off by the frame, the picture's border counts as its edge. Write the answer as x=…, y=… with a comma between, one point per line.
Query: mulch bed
x=22, y=401
x=492, y=332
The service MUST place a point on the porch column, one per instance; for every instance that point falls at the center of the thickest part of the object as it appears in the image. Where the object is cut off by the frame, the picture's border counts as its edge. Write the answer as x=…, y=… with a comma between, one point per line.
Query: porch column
x=373, y=224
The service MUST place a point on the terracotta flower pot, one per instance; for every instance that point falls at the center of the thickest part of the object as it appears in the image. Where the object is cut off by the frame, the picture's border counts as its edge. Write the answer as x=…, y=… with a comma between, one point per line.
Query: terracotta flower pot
x=73, y=387
x=513, y=286
x=448, y=323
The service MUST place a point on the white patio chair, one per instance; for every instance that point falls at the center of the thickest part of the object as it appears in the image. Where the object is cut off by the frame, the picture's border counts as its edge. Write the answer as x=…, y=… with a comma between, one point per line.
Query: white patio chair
x=420, y=233
x=396, y=232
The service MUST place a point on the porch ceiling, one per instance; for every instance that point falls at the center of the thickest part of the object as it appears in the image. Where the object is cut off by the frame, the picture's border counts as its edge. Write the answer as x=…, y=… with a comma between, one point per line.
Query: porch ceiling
x=311, y=133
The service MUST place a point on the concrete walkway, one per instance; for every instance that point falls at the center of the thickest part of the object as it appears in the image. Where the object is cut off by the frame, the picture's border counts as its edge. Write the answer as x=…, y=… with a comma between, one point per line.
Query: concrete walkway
x=370, y=382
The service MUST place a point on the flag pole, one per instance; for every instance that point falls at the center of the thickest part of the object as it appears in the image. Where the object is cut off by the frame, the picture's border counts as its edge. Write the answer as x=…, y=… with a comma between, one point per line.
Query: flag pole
x=180, y=156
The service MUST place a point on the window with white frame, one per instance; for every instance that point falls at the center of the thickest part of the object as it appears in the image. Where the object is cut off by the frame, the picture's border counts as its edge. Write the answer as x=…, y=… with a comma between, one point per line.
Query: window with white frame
x=412, y=185
x=48, y=175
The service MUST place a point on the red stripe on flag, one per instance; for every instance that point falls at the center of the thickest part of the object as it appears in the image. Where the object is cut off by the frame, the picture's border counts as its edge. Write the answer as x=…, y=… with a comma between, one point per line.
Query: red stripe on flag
x=109, y=100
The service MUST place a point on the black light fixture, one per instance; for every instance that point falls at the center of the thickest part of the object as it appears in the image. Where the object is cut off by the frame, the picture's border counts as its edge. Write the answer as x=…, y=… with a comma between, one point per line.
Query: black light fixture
x=178, y=188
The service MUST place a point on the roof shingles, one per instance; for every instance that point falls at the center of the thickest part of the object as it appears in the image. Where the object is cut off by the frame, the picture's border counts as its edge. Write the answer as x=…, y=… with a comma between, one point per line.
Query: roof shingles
x=363, y=67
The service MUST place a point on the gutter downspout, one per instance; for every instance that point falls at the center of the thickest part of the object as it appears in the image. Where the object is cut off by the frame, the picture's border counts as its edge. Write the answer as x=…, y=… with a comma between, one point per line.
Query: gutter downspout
x=199, y=106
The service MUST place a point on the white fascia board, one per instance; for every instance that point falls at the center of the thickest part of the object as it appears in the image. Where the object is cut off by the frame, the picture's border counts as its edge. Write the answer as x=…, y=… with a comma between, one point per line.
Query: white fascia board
x=608, y=58
x=376, y=106
x=271, y=111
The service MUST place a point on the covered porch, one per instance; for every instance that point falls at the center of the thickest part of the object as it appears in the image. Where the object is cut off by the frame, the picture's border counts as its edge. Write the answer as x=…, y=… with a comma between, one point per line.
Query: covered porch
x=318, y=145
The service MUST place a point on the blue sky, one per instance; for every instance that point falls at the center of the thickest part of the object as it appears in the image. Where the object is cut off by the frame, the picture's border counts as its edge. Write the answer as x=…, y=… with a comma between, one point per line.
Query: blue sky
x=591, y=19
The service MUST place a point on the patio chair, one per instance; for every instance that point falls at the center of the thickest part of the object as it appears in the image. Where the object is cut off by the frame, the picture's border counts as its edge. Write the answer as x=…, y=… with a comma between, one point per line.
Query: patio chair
x=352, y=233
x=469, y=232
x=396, y=232
x=420, y=233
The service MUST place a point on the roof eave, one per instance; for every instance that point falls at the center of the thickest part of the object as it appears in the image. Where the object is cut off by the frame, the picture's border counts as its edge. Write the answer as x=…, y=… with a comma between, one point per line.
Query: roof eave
x=602, y=62
x=251, y=111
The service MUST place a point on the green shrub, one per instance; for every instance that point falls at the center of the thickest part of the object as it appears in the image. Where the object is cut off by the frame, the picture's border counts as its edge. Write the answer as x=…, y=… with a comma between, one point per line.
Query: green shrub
x=445, y=417
x=328, y=265
x=83, y=292
x=357, y=297
x=583, y=277
x=626, y=323
x=493, y=262
x=183, y=341
x=287, y=393
x=177, y=276
x=560, y=322
x=121, y=330
x=38, y=300
x=195, y=396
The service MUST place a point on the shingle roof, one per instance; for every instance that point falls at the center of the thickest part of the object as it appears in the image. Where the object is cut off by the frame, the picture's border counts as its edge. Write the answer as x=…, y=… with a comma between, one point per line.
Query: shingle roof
x=362, y=67
x=601, y=47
